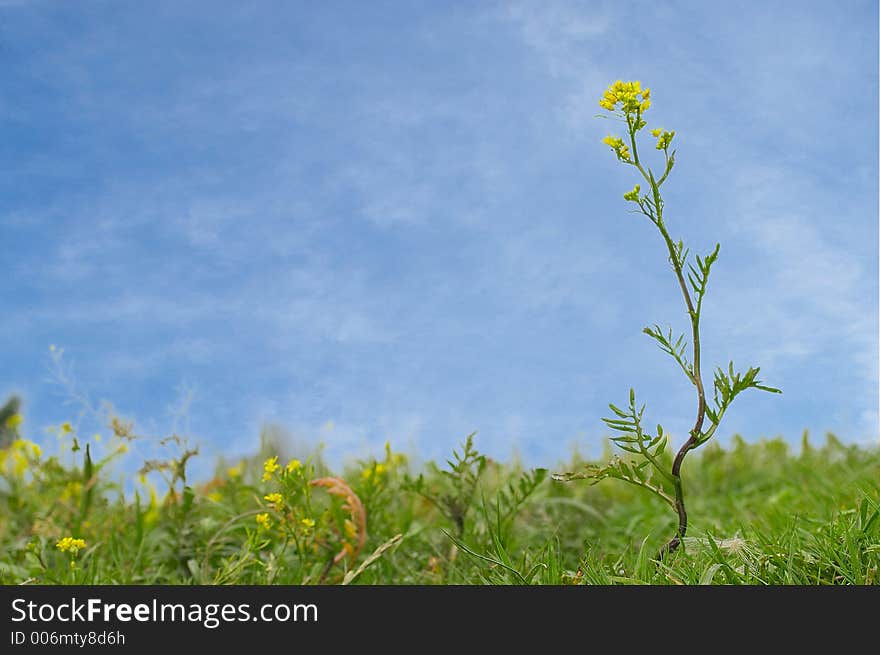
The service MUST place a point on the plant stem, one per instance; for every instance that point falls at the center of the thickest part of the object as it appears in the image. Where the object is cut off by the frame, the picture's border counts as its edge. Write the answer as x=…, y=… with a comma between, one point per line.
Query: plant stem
x=693, y=440
x=696, y=377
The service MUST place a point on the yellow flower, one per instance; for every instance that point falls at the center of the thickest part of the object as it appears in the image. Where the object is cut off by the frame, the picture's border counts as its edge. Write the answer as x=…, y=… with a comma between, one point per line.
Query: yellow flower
x=22, y=454
x=66, y=428
x=632, y=195
x=613, y=141
x=71, y=491
x=657, y=132
x=269, y=467
x=234, y=471
x=276, y=499
x=664, y=140
x=14, y=421
x=374, y=471
x=617, y=145
x=307, y=524
x=263, y=521
x=626, y=94
x=20, y=464
x=293, y=466
x=70, y=545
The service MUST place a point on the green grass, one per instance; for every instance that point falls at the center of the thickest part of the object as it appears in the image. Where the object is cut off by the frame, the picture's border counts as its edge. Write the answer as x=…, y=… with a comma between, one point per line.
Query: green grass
x=760, y=514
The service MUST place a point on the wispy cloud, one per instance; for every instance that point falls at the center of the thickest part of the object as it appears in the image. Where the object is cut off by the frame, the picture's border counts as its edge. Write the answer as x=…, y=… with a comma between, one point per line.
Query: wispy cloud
x=561, y=33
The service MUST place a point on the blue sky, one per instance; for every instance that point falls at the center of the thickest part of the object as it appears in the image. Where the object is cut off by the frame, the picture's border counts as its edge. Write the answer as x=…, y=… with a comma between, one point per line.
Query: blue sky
x=396, y=220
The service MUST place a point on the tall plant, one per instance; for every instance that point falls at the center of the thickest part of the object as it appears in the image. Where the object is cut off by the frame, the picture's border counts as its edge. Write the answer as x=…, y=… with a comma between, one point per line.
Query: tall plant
x=628, y=102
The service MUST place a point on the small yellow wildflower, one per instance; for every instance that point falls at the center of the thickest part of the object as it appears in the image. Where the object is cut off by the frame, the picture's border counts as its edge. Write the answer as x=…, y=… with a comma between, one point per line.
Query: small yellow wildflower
x=632, y=195
x=14, y=421
x=626, y=94
x=619, y=148
x=657, y=132
x=269, y=467
x=307, y=524
x=234, y=471
x=71, y=491
x=22, y=452
x=35, y=450
x=376, y=470
x=664, y=139
x=20, y=464
x=264, y=521
x=613, y=141
x=275, y=499
x=70, y=545
x=66, y=428
x=293, y=466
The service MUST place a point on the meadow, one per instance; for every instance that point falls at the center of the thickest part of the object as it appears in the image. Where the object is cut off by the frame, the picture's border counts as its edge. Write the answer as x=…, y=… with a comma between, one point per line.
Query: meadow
x=762, y=513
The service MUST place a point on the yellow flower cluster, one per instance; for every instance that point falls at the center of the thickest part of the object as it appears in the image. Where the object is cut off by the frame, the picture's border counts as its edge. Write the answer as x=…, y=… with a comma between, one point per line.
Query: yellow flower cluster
x=276, y=499
x=375, y=471
x=626, y=94
x=293, y=466
x=619, y=147
x=664, y=138
x=71, y=491
x=21, y=453
x=264, y=521
x=269, y=467
x=632, y=195
x=307, y=524
x=70, y=545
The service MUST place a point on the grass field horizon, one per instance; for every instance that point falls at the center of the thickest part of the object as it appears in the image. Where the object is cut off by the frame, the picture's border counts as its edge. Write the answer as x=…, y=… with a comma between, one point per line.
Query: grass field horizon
x=762, y=512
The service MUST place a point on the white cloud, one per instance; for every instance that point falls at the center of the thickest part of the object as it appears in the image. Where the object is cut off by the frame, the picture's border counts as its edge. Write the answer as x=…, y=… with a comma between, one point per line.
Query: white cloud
x=801, y=293
x=557, y=32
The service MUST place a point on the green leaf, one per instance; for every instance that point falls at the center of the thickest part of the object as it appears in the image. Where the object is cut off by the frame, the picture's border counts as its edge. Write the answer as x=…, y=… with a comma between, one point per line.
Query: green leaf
x=710, y=413
x=617, y=411
x=709, y=573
